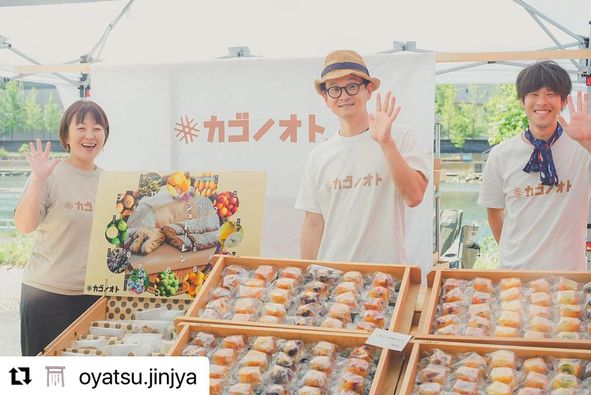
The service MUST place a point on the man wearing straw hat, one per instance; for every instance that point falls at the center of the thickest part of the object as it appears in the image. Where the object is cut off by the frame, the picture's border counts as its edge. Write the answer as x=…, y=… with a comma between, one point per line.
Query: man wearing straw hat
x=356, y=184
x=536, y=185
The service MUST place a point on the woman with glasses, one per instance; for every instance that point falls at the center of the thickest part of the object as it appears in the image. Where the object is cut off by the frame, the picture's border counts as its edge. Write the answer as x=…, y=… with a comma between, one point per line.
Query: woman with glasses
x=357, y=183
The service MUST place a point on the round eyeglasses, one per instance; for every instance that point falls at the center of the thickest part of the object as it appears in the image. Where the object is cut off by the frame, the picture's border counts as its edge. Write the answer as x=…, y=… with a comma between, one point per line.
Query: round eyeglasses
x=352, y=89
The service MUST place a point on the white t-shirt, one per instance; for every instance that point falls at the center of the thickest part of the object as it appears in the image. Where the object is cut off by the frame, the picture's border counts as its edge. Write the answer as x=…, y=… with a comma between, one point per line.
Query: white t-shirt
x=60, y=243
x=346, y=179
x=545, y=227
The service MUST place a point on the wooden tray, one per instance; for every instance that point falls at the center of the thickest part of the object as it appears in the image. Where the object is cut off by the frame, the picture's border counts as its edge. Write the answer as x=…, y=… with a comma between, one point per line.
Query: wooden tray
x=420, y=346
x=402, y=315
x=388, y=371
x=435, y=279
x=107, y=308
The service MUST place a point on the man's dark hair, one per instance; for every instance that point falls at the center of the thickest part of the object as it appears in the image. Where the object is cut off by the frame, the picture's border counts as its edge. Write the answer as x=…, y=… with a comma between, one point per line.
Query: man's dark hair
x=544, y=74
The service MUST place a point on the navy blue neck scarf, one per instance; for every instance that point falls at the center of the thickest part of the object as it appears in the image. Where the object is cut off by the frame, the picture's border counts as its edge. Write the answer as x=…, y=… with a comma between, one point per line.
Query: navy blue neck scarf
x=541, y=158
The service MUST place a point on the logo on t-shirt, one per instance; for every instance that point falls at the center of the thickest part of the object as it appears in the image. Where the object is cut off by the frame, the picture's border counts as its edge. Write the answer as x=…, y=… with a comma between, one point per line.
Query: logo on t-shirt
x=78, y=205
x=541, y=190
x=371, y=180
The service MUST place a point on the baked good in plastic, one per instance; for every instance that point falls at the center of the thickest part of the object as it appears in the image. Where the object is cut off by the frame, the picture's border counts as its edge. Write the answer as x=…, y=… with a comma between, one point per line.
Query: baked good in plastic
x=365, y=326
x=570, y=310
x=476, y=332
x=380, y=292
x=511, y=282
x=567, y=297
x=498, y=388
x=279, y=295
x=241, y=389
x=536, y=380
x=231, y=281
x=341, y=312
x=377, y=304
x=439, y=357
x=218, y=371
x=224, y=356
x=276, y=309
x=478, y=322
x=455, y=295
x=357, y=366
x=384, y=280
x=467, y=373
x=318, y=287
x=481, y=297
x=448, y=319
x=307, y=390
x=281, y=375
x=509, y=318
x=353, y=276
x=216, y=386
x=221, y=305
x=481, y=310
x=266, y=344
x=504, y=375
x=535, y=365
x=315, y=378
x=308, y=310
x=346, y=286
x=481, y=284
x=309, y=297
x=510, y=294
x=293, y=348
x=220, y=292
x=568, y=324
x=247, y=306
x=204, y=339
x=429, y=389
x=506, y=331
x=255, y=358
x=566, y=284
x=362, y=352
x=244, y=317
x=330, y=322
x=374, y=317
x=349, y=299
x=254, y=282
x=540, y=324
x=503, y=359
x=291, y=272
x=450, y=330
x=276, y=389
x=250, y=374
x=472, y=360
x=237, y=342
x=321, y=363
x=465, y=387
x=287, y=361
x=195, y=351
x=540, y=311
x=265, y=273
x=570, y=366
x=250, y=292
x=564, y=380
x=451, y=283
x=324, y=274
x=452, y=308
x=286, y=283
x=210, y=314
x=540, y=299
x=270, y=319
x=236, y=269
x=433, y=373
x=513, y=305
x=539, y=285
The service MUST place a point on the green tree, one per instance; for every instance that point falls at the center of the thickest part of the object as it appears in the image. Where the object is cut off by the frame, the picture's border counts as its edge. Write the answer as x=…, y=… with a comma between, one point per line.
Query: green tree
x=51, y=115
x=33, y=113
x=445, y=106
x=506, y=115
x=11, y=109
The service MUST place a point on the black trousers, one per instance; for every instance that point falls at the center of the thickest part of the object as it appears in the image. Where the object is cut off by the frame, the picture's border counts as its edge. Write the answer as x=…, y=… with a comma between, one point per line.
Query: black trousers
x=44, y=315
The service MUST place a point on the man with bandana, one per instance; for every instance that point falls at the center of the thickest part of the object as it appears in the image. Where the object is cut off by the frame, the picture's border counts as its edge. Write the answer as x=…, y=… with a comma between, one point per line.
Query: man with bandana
x=536, y=185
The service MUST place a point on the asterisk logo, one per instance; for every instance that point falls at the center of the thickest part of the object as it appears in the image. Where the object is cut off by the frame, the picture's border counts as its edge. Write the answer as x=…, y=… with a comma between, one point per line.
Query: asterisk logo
x=185, y=129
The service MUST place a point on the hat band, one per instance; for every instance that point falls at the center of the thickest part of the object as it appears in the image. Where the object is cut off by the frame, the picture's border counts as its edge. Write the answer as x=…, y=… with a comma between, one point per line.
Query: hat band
x=344, y=66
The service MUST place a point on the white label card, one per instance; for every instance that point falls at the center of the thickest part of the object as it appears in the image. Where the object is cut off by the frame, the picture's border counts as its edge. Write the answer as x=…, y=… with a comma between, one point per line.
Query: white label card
x=390, y=340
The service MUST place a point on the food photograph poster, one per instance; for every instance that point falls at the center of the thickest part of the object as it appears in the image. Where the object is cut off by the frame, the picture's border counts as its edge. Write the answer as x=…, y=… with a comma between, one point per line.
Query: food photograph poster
x=154, y=233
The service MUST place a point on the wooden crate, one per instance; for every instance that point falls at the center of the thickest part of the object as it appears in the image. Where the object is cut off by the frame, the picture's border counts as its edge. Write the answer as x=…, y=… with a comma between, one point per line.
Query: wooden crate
x=108, y=308
x=435, y=279
x=402, y=315
x=388, y=371
x=421, y=346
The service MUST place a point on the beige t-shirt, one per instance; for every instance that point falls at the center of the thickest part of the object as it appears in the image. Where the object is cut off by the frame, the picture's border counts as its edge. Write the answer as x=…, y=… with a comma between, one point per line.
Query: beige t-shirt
x=60, y=243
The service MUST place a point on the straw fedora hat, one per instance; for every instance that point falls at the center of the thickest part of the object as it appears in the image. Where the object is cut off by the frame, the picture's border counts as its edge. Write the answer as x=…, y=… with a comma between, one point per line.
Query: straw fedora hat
x=341, y=63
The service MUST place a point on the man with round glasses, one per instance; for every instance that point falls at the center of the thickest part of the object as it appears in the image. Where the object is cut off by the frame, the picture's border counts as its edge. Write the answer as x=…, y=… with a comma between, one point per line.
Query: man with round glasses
x=357, y=184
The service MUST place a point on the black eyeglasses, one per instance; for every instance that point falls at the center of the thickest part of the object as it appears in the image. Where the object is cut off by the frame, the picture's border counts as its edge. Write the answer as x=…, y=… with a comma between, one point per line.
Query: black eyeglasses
x=352, y=89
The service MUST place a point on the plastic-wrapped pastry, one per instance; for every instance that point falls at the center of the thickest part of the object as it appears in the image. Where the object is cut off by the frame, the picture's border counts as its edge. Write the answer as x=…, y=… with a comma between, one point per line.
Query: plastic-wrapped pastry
x=429, y=389
x=216, y=386
x=504, y=375
x=473, y=360
x=250, y=374
x=535, y=334
x=330, y=322
x=451, y=283
x=346, y=286
x=218, y=371
x=481, y=284
x=281, y=375
x=433, y=373
x=512, y=282
x=220, y=292
x=276, y=309
x=499, y=388
x=266, y=344
x=204, y=339
x=540, y=311
x=540, y=299
x=279, y=296
x=376, y=304
x=276, y=389
x=568, y=335
x=322, y=364
x=570, y=366
x=506, y=331
x=244, y=317
x=570, y=310
x=455, y=295
x=291, y=272
x=315, y=378
x=450, y=330
x=235, y=269
x=270, y=319
x=357, y=366
x=449, y=319
x=286, y=361
x=324, y=274
x=509, y=318
x=465, y=387
x=250, y=292
x=535, y=365
x=351, y=382
x=195, y=351
x=568, y=324
x=587, y=371
x=564, y=391
x=531, y=391
x=247, y=306
x=221, y=305
x=307, y=390
x=539, y=285
x=540, y=324
x=362, y=352
x=452, y=308
x=349, y=299
x=308, y=310
x=265, y=272
x=481, y=297
x=318, y=287
x=380, y=292
x=255, y=358
x=481, y=310
x=210, y=314
x=565, y=284
x=564, y=380
x=231, y=281
x=224, y=356
x=254, y=282
x=375, y=317
x=324, y=348
x=476, y=332
x=468, y=374
x=510, y=294
x=241, y=389
x=439, y=357
x=340, y=311
x=353, y=276
x=293, y=348
x=237, y=342
x=365, y=326
x=536, y=380
x=286, y=283
x=587, y=288
x=478, y=322
x=513, y=305
x=309, y=297
x=567, y=297
x=304, y=321
x=383, y=280
x=502, y=359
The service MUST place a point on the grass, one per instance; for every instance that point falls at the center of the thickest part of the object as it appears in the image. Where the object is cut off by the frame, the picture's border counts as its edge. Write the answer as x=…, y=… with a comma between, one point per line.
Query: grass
x=15, y=249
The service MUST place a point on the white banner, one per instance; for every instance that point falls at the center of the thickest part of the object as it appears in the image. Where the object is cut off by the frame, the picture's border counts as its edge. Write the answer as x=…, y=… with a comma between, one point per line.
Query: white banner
x=253, y=115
